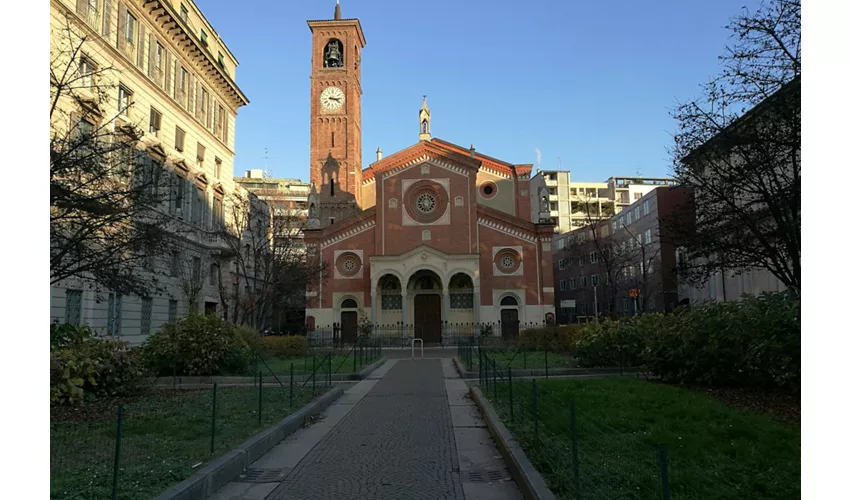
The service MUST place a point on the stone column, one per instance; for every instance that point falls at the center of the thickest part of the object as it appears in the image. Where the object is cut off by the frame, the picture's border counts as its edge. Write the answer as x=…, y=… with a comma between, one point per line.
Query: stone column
x=404, y=310
x=374, y=308
x=476, y=303
x=446, y=304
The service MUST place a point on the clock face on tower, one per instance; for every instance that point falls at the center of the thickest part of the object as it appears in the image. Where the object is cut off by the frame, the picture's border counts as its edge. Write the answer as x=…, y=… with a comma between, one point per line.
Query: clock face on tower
x=332, y=98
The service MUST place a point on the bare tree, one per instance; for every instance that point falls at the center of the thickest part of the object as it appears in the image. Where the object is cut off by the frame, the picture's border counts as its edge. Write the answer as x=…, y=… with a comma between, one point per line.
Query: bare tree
x=607, y=255
x=739, y=147
x=105, y=194
x=271, y=269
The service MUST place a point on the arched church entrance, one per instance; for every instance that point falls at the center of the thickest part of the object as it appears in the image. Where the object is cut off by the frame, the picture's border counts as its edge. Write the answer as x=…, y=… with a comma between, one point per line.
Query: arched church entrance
x=348, y=321
x=426, y=288
x=509, y=317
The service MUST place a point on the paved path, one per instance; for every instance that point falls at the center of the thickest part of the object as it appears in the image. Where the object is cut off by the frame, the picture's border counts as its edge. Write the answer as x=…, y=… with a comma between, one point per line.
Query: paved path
x=409, y=433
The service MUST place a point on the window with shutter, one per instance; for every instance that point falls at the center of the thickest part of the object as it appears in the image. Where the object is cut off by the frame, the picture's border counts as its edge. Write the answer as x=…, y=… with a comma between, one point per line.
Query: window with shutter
x=140, y=50
x=202, y=152
x=124, y=99
x=175, y=263
x=155, y=121
x=172, y=311
x=179, y=138
x=107, y=19
x=113, y=319
x=73, y=306
x=218, y=168
x=147, y=310
x=224, y=126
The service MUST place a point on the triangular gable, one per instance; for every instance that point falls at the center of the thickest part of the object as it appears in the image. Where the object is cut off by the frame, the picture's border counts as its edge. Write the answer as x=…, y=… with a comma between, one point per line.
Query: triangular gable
x=179, y=164
x=513, y=225
x=424, y=151
x=156, y=150
x=218, y=188
x=423, y=249
x=202, y=179
x=488, y=163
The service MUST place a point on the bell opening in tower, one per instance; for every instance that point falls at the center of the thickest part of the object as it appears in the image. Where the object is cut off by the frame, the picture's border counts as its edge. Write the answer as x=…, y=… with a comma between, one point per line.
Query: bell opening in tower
x=333, y=55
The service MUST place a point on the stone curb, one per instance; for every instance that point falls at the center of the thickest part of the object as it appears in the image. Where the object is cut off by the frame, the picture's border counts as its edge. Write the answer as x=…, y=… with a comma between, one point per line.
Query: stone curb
x=369, y=369
x=530, y=481
x=226, y=468
x=195, y=382
x=553, y=372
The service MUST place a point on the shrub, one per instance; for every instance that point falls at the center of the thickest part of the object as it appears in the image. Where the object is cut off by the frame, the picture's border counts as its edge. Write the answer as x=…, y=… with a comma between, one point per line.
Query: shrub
x=84, y=365
x=197, y=345
x=608, y=343
x=251, y=338
x=289, y=346
x=554, y=338
x=754, y=342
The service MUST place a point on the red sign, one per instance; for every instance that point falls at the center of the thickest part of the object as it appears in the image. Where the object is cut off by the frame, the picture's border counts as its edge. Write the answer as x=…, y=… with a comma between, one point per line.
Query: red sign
x=634, y=292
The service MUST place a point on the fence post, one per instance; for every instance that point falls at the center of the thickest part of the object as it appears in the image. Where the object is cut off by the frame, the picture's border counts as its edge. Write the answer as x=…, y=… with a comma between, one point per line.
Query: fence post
x=212, y=432
x=546, y=360
x=574, y=437
x=534, y=410
x=511, y=393
x=260, y=407
x=495, y=390
x=354, y=357
x=291, y=379
x=480, y=368
x=117, y=461
x=330, y=372
x=314, y=375
x=524, y=358
x=665, y=477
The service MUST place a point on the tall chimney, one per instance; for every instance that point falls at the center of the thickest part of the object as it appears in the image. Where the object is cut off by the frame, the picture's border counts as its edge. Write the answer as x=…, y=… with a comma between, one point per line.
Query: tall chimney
x=337, y=11
x=379, y=154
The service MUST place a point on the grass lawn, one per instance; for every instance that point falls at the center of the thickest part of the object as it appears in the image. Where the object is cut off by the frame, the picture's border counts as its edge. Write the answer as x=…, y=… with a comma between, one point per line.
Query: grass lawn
x=519, y=360
x=715, y=452
x=165, y=437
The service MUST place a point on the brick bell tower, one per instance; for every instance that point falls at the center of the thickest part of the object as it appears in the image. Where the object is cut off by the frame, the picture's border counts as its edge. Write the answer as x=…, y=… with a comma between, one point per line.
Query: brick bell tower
x=335, y=126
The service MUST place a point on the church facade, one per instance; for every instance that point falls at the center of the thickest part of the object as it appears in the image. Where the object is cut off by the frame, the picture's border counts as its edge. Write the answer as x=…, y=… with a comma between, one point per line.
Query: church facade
x=433, y=235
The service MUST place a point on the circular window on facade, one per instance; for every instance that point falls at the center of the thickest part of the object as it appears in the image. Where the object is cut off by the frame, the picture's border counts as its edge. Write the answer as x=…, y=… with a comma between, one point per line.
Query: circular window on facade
x=507, y=261
x=426, y=201
x=488, y=189
x=348, y=264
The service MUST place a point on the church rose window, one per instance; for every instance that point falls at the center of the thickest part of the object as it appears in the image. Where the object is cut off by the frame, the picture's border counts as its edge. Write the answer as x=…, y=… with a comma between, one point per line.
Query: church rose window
x=507, y=261
x=348, y=264
x=488, y=190
x=426, y=201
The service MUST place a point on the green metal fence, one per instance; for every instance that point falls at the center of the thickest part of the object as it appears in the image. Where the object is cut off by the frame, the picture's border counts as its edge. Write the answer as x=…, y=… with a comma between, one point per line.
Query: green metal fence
x=138, y=447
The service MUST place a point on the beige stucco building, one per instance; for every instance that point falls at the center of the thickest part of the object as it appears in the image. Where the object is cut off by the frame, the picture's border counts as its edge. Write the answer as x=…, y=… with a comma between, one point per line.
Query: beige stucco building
x=172, y=76
x=571, y=204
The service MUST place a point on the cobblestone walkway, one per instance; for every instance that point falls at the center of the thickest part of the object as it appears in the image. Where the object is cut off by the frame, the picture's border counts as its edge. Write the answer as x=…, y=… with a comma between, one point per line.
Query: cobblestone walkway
x=397, y=443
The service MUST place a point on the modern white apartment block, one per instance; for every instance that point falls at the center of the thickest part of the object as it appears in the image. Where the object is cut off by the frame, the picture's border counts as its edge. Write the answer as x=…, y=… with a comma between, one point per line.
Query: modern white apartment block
x=571, y=204
x=178, y=78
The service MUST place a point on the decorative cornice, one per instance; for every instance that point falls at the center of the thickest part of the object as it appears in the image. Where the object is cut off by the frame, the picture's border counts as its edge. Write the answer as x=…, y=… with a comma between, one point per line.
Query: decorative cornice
x=429, y=159
x=420, y=151
x=349, y=233
x=506, y=229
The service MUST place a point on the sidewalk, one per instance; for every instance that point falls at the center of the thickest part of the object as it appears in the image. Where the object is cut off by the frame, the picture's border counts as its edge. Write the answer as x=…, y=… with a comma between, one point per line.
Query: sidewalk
x=408, y=431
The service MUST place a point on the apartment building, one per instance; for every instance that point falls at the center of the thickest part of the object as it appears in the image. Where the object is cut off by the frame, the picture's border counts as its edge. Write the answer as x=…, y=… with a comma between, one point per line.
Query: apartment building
x=573, y=204
x=623, y=265
x=165, y=70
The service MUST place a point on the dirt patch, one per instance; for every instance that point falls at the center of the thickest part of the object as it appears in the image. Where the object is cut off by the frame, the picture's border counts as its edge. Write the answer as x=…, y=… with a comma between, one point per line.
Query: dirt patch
x=779, y=405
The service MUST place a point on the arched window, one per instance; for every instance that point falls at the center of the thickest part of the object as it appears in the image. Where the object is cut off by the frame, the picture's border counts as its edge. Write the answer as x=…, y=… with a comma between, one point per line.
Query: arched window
x=509, y=301
x=332, y=186
x=424, y=126
x=349, y=304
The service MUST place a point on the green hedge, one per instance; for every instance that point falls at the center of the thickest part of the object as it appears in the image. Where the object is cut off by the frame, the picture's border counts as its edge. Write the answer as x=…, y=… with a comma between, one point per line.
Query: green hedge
x=200, y=345
x=754, y=342
x=553, y=338
x=84, y=365
x=287, y=346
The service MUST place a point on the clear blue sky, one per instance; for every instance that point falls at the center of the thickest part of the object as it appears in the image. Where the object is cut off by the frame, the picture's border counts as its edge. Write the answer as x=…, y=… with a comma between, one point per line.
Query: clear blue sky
x=589, y=82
